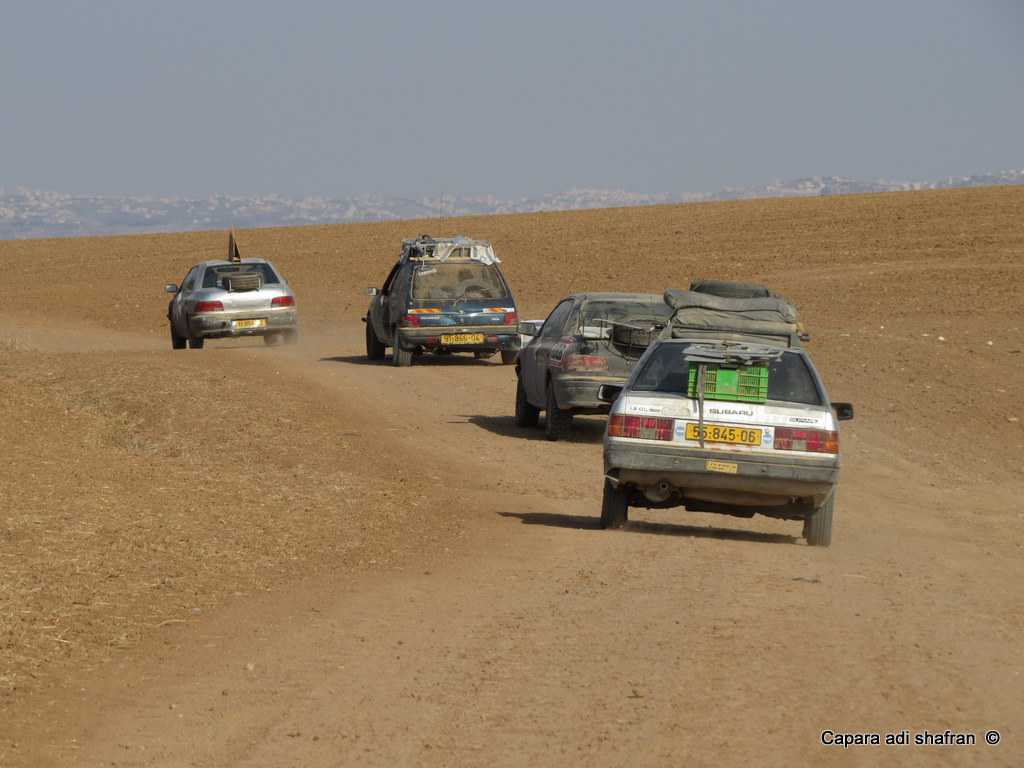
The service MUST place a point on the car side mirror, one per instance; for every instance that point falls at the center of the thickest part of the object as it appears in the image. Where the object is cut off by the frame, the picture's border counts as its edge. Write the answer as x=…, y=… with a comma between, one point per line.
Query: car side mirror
x=170, y=288
x=609, y=393
x=528, y=328
x=844, y=411
x=372, y=291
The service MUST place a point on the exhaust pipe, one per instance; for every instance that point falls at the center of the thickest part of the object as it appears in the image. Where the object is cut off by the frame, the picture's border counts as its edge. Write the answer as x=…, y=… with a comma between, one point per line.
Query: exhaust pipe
x=658, y=493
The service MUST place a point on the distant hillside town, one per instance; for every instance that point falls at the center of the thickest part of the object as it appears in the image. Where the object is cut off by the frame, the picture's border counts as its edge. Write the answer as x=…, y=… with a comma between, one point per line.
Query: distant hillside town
x=31, y=213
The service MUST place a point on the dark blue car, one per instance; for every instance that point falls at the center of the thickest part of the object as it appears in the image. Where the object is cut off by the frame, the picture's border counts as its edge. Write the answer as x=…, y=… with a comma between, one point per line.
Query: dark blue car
x=444, y=295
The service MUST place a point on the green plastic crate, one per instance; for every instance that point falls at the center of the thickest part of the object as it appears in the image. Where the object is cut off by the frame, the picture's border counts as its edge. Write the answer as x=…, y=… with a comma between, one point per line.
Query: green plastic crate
x=747, y=385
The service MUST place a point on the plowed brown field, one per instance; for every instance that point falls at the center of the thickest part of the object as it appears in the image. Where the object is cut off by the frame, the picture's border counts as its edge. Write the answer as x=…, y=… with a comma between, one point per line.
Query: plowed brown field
x=287, y=556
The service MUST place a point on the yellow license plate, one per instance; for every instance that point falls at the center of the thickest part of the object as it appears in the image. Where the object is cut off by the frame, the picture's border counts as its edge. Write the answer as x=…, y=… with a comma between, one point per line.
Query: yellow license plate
x=462, y=338
x=257, y=323
x=721, y=433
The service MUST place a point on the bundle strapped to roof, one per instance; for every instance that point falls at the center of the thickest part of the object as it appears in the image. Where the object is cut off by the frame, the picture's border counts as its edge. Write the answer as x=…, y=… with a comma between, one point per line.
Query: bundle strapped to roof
x=427, y=248
x=731, y=290
x=758, y=316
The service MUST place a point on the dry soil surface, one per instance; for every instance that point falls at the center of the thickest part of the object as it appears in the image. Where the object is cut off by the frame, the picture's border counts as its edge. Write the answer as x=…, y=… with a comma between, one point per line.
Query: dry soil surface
x=288, y=556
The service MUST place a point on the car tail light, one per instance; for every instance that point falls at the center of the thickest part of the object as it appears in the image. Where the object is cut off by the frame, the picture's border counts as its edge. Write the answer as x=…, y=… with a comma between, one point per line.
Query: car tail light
x=411, y=320
x=511, y=318
x=282, y=301
x=641, y=427
x=812, y=440
x=572, y=362
x=209, y=306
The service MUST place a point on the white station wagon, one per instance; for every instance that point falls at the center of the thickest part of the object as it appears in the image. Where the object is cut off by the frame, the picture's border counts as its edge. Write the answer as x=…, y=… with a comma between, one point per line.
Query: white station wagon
x=725, y=413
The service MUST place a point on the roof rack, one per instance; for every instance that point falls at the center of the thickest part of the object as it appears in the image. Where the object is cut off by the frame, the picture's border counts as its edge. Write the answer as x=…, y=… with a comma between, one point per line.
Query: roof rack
x=427, y=248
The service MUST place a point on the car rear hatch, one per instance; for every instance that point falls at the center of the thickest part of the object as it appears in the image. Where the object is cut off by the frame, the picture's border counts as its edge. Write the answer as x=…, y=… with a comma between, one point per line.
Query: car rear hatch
x=462, y=313
x=251, y=301
x=729, y=399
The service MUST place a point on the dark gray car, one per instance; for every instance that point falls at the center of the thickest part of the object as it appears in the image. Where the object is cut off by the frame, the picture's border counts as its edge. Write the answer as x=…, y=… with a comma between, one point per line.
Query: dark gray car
x=589, y=339
x=224, y=299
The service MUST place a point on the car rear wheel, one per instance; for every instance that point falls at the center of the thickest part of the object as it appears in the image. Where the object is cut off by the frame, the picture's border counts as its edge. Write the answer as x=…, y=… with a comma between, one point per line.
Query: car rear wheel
x=196, y=342
x=177, y=342
x=374, y=346
x=818, y=527
x=614, y=506
x=526, y=414
x=400, y=358
x=291, y=336
x=509, y=356
x=271, y=339
x=557, y=423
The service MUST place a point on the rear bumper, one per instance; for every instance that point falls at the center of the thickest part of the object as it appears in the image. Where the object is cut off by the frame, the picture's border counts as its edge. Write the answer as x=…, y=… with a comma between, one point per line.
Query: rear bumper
x=496, y=337
x=218, y=325
x=579, y=393
x=643, y=465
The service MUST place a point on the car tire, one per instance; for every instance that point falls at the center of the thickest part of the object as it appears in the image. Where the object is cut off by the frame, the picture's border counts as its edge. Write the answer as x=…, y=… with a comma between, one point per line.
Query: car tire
x=196, y=342
x=509, y=356
x=177, y=342
x=291, y=336
x=526, y=415
x=374, y=346
x=400, y=358
x=818, y=527
x=271, y=339
x=557, y=423
x=614, y=506
x=483, y=354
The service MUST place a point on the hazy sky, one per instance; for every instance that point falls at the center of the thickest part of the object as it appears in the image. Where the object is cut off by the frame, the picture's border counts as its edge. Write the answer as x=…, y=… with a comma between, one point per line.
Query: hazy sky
x=518, y=98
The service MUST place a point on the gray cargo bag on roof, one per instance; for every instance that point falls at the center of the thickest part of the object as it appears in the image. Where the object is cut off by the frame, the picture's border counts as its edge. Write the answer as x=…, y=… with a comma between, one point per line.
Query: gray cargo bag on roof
x=763, y=315
x=730, y=289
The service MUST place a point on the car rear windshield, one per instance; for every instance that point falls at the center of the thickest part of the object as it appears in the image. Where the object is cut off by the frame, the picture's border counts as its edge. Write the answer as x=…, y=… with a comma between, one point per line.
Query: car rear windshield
x=214, y=275
x=441, y=282
x=625, y=311
x=789, y=378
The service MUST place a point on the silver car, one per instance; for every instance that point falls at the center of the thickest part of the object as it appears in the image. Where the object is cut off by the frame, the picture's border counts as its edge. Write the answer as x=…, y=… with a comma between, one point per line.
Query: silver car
x=727, y=414
x=224, y=299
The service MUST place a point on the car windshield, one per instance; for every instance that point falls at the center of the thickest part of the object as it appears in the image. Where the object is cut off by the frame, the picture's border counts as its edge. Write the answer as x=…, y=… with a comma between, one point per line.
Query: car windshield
x=440, y=282
x=667, y=369
x=214, y=275
x=625, y=311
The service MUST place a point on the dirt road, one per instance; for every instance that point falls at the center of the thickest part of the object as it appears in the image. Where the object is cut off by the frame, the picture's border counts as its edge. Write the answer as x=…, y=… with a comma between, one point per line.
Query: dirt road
x=432, y=588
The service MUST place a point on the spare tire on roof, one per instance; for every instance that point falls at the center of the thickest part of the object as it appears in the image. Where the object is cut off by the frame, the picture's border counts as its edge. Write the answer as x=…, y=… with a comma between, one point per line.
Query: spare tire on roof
x=243, y=281
x=730, y=290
